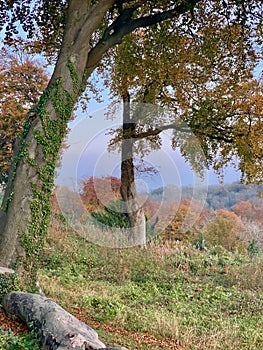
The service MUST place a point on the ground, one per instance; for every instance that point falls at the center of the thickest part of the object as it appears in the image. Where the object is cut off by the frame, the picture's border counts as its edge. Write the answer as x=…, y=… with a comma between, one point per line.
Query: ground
x=7, y=323
x=140, y=339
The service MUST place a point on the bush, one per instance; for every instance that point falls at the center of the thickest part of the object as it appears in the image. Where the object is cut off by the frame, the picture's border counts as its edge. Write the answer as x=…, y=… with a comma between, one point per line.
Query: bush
x=253, y=247
x=112, y=216
x=223, y=230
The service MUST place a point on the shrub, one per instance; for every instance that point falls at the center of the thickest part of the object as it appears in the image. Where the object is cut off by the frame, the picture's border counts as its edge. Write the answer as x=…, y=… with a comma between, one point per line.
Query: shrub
x=112, y=216
x=253, y=247
x=223, y=230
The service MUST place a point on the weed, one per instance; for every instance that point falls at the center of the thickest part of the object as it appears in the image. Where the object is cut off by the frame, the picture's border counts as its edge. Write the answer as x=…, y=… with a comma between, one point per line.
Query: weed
x=10, y=341
x=200, y=299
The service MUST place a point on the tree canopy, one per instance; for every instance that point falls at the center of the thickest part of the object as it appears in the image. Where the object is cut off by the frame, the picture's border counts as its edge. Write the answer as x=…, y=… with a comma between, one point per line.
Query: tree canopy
x=203, y=74
x=21, y=83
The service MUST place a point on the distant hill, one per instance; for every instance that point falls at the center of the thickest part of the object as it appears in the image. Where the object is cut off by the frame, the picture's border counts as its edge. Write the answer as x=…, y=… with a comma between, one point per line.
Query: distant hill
x=217, y=196
x=228, y=195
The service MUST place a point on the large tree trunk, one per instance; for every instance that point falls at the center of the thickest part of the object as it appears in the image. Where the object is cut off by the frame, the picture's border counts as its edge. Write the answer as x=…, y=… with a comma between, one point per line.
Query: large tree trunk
x=26, y=204
x=58, y=329
x=134, y=211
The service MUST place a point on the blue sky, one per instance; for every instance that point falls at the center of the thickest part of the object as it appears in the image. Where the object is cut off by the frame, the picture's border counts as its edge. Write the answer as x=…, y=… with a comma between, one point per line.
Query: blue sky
x=88, y=155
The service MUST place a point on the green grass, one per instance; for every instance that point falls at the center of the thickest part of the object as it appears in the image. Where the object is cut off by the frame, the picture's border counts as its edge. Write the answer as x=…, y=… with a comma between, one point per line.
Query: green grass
x=210, y=300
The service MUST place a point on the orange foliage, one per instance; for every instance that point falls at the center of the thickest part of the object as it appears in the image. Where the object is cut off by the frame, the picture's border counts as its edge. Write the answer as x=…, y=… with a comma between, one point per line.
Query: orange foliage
x=189, y=214
x=97, y=192
x=243, y=208
x=249, y=211
x=21, y=83
x=225, y=214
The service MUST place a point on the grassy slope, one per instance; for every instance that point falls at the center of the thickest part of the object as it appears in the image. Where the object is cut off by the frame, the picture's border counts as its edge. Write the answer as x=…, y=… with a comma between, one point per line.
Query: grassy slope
x=158, y=297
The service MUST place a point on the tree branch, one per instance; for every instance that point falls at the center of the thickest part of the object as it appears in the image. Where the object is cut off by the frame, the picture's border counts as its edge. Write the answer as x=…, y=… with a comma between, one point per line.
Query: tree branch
x=157, y=131
x=95, y=16
x=198, y=132
x=124, y=24
x=162, y=16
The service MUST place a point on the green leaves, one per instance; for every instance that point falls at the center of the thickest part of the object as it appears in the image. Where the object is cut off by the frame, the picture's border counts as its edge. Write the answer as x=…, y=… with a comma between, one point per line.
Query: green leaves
x=113, y=215
x=10, y=341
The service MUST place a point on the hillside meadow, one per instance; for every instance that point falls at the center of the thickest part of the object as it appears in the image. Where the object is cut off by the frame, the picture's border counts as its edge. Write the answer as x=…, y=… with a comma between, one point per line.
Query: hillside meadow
x=157, y=297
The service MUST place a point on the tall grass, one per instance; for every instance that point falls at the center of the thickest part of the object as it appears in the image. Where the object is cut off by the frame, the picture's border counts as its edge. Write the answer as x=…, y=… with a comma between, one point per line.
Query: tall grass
x=200, y=300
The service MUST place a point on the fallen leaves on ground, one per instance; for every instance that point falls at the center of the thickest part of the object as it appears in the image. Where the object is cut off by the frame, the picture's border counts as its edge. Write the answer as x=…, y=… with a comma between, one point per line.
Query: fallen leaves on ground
x=7, y=324
x=141, y=339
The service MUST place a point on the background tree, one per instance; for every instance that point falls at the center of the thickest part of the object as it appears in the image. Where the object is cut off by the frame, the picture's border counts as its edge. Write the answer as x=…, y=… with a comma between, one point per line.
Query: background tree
x=94, y=186
x=243, y=209
x=206, y=79
x=203, y=76
x=22, y=81
x=186, y=211
x=77, y=34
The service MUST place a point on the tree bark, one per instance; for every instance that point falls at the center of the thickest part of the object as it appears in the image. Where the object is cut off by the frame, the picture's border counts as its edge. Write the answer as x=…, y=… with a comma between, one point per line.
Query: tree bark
x=58, y=329
x=26, y=204
x=25, y=208
x=134, y=212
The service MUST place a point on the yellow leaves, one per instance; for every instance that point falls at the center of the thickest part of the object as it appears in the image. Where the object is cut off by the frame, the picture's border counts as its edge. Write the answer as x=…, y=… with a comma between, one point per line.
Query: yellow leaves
x=200, y=67
x=223, y=230
x=140, y=33
x=222, y=213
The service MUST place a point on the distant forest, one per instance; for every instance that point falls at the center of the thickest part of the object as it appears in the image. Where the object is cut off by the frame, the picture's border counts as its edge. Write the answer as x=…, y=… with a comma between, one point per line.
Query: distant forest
x=217, y=196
